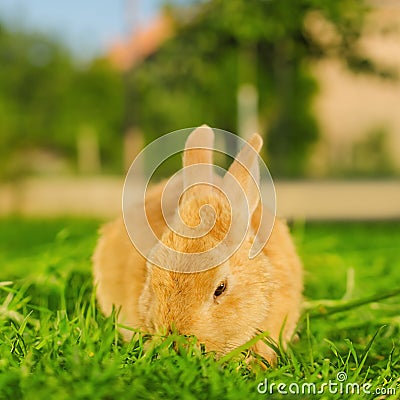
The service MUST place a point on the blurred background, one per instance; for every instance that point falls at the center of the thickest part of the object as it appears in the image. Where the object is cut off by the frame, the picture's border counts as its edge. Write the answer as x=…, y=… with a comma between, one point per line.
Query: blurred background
x=85, y=85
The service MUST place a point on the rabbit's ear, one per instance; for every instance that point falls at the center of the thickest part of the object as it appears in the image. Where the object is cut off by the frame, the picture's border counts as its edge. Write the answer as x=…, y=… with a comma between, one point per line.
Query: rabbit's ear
x=198, y=158
x=246, y=170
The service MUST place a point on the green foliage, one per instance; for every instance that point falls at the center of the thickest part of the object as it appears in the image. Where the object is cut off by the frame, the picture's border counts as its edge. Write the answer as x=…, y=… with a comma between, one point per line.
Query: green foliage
x=219, y=45
x=54, y=343
x=28, y=95
x=45, y=99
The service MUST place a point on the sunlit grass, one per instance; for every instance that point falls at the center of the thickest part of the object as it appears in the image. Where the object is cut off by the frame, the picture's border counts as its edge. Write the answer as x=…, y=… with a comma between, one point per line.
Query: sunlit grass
x=54, y=343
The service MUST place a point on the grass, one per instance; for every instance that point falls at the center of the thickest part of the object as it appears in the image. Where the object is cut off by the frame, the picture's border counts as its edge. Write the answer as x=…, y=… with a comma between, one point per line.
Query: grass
x=54, y=343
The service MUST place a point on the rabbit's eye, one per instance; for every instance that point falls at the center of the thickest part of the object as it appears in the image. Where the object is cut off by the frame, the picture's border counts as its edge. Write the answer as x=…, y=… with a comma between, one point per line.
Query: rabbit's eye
x=220, y=289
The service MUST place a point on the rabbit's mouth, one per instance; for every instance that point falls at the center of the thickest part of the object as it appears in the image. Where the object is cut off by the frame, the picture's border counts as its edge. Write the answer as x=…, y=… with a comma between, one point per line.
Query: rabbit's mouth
x=221, y=349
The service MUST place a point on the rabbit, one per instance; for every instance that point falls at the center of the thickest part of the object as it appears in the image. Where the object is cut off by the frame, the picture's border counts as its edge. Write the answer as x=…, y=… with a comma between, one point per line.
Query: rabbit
x=224, y=306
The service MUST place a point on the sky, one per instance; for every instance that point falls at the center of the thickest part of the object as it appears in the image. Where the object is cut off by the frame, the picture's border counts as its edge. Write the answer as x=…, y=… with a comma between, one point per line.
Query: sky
x=88, y=27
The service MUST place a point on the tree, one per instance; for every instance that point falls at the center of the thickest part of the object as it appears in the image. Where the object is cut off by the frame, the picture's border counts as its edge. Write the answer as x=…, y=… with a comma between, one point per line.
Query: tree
x=218, y=44
x=46, y=97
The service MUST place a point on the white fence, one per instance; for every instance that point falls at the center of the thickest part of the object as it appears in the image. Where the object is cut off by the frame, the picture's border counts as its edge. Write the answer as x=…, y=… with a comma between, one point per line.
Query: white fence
x=101, y=197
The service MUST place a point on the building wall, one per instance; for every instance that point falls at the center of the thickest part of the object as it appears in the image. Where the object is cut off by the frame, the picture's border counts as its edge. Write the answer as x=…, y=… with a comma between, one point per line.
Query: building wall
x=351, y=106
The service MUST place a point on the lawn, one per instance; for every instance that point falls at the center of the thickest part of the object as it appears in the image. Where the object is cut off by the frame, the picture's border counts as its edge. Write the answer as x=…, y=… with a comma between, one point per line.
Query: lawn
x=54, y=343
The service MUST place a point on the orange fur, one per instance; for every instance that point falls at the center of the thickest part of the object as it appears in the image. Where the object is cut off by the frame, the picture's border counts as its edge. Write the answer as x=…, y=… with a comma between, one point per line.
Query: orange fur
x=263, y=293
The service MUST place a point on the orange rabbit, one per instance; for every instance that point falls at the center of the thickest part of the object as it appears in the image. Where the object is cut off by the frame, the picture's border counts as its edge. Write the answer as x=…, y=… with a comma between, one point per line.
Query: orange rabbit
x=224, y=306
